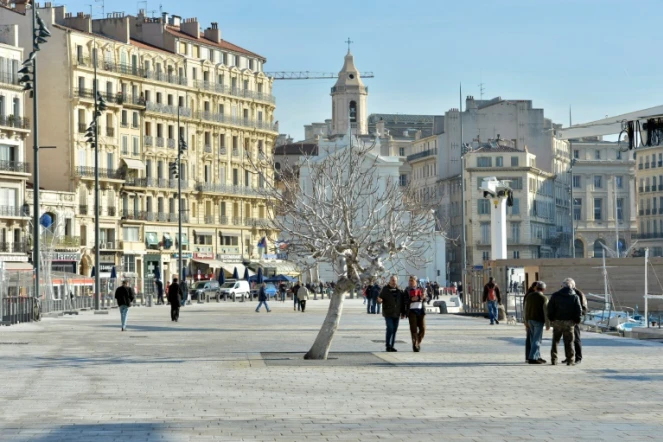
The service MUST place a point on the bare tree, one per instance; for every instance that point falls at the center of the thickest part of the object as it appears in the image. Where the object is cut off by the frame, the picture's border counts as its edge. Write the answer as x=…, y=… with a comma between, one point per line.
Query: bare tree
x=345, y=210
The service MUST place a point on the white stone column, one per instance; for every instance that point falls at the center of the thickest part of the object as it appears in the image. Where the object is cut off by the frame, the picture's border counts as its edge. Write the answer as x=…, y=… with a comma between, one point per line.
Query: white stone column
x=498, y=228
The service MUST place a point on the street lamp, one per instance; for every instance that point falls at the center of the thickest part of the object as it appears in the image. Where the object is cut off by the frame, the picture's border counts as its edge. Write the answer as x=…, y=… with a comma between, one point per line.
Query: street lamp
x=29, y=81
x=176, y=171
x=573, y=234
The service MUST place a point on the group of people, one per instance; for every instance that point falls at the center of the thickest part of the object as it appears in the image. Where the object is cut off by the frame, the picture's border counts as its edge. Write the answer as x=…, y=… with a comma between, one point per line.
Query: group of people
x=175, y=294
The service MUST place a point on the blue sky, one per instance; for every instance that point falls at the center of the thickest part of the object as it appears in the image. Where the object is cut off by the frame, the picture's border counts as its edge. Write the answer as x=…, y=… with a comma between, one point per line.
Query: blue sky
x=598, y=56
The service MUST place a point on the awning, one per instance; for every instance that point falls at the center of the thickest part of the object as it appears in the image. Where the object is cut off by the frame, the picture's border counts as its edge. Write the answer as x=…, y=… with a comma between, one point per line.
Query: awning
x=185, y=239
x=204, y=232
x=151, y=238
x=212, y=263
x=233, y=234
x=230, y=268
x=18, y=266
x=134, y=164
x=282, y=268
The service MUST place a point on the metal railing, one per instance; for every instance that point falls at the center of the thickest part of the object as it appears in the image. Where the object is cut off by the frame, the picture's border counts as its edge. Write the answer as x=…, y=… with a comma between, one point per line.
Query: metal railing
x=237, y=221
x=222, y=150
x=223, y=219
x=161, y=108
x=424, y=154
x=148, y=140
x=208, y=148
x=225, y=188
x=13, y=247
x=15, y=122
x=110, y=131
x=14, y=166
x=209, y=219
x=235, y=92
x=88, y=172
x=160, y=142
x=171, y=143
x=82, y=128
x=111, y=211
x=11, y=211
x=9, y=77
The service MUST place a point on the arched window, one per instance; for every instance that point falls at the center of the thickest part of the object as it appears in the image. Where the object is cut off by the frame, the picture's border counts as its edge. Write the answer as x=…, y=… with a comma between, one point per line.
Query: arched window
x=598, y=248
x=580, y=248
x=353, y=112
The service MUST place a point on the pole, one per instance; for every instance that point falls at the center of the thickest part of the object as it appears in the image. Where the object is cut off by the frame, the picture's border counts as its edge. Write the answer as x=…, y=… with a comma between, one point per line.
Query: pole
x=616, y=222
x=462, y=196
x=36, y=260
x=97, y=244
x=179, y=198
x=573, y=232
x=646, y=286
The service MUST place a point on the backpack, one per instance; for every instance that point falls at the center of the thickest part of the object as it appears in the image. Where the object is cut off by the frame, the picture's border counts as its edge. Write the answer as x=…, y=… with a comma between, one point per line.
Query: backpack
x=491, y=294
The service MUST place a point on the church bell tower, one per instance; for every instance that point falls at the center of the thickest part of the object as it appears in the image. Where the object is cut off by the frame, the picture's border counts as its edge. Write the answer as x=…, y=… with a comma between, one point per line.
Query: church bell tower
x=349, y=97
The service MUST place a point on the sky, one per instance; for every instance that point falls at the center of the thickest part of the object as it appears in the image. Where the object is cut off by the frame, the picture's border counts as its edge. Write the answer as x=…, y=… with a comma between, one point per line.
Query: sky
x=598, y=57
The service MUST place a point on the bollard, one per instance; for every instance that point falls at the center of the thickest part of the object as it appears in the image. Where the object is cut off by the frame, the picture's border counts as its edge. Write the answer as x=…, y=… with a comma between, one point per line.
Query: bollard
x=149, y=300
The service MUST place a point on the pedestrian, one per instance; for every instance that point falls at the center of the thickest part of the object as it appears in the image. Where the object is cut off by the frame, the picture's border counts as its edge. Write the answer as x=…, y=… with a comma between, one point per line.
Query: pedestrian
x=528, y=342
x=577, y=342
x=282, y=291
x=374, y=293
x=184, y=291
x=564, y=312
x=262, y=298
x=416, y=312
x=322, y=292
x=295, y=289
x=367, y=301
x=175, y=298
x=302, y=295
x=393, y=310
x=429, y=292
x=436, y=290
x=125, y=297
x=536, y=317
x=491, y=296
x=159, y=286
x=460, y=291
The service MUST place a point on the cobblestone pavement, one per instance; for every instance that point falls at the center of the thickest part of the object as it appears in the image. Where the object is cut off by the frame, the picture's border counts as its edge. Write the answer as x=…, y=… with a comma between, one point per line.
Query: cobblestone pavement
x=225, y=372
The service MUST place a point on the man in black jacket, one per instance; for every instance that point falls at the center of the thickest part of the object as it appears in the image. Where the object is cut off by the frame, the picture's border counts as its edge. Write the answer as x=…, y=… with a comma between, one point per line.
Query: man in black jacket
x=175, y=299
x=564, y=312
x=125, y=296
x=393, y=309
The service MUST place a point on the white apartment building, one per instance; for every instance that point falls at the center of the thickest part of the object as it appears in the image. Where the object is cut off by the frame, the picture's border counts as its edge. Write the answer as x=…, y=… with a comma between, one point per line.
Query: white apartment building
x=161, y=78
x=604, y=197
x=14, y=168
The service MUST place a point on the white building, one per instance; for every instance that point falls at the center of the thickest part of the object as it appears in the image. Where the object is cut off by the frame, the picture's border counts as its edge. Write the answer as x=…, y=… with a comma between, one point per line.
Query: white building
x=14, y=170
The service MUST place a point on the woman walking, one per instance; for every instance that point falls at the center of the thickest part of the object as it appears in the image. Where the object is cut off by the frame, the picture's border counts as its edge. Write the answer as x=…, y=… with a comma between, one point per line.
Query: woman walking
x=416, y=313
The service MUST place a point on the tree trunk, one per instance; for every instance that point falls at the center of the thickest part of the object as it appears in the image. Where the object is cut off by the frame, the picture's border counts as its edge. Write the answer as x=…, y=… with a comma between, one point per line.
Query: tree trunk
x=323, y=341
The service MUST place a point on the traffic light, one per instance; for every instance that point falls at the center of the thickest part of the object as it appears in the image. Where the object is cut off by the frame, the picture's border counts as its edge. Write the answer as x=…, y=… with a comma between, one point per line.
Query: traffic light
x=183, y=145
x=90, y=135
x=173, y=170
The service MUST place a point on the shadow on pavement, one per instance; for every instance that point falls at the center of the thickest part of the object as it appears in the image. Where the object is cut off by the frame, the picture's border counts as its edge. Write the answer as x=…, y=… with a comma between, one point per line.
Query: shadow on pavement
x=586, y=341
x=123, y=432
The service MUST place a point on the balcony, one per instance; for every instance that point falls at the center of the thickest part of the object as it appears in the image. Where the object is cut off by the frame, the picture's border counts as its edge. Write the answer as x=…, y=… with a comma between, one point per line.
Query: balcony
x=228, y=189
x=172, y=217
x=236, y=92
x=260, y=223
x=82, y=128
x=133, y=100
x=236, y=121
x=88, y=172
x=13, y=247
x=124, y=124
x=135, y=125
x=223, y=151
x=62, y=241
x=223, y=219
x=167, y=77
x=235, y=152
x=108, y=96
x=208, y=148
x=237, y=221
x=110, y=131
x=660, y=187
x=82, y=209
x=148, y=141
x=162, y=217
x=424, y=154
x=13, y=211
x=109, y=245
x=648, y=212
x=160, y=141
x=171, y=143
x=641, y=189
x=173, y=184
x=111, y=211
x=647, y=165
x=14, y=166
x=647, y=188
x=209, y=219
x=161, y=108
x=15, y=122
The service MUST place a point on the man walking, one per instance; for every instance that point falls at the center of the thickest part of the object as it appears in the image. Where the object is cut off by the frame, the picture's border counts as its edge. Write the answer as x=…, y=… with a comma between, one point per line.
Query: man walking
x=491, y=296
x=536, y=317
x=282, y=291
x=302, y=296
x=125, y=297
x=416, y=313
x=295, y=290
x=577, y=342
x=175, y=299
x=564, y=312
x=391, y=298
x=262, y=298
x=159, y=286
x=374, y=292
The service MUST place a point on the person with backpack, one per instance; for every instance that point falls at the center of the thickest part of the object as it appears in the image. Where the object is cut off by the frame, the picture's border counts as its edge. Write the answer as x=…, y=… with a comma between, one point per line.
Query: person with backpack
x=125, y=296
x=492, y=297
x=415, y=297
x=393, y=310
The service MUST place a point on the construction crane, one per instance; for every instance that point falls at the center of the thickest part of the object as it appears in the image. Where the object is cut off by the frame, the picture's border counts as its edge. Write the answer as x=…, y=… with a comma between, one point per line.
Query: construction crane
x=306, y=75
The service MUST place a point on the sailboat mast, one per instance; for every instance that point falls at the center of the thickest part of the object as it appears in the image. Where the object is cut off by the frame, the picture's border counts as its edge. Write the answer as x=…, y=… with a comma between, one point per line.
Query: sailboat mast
x=605, y=282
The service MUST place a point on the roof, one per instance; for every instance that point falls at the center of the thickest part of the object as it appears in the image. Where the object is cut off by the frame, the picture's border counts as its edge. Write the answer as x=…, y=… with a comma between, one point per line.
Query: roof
x=297, y=149
x=496, y=146
x=223, y=44
x=143, y=45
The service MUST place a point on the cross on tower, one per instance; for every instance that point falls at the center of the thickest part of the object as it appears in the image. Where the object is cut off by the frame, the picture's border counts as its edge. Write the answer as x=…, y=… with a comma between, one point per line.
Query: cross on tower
x=349, y=42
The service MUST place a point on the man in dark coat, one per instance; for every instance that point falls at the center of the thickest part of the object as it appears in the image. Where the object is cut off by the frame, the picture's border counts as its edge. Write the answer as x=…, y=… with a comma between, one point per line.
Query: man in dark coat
x=374, y=292
x=159, y=286
x=393, y=309
x=564, y=312
x=262, y=297
x=577, y=342
x=492, y=297
x=125, y=296
x=184, y=291
x=175, y=299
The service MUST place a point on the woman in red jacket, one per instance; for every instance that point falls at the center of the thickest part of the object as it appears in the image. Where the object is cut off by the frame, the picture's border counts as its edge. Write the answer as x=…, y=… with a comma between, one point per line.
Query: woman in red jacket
x=416, y=312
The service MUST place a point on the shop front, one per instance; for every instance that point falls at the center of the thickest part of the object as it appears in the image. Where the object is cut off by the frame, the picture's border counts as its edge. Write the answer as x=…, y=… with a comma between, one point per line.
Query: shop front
x=66, y=262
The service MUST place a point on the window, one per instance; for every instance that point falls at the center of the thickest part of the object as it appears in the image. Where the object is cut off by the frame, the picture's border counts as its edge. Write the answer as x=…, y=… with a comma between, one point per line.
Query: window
x=125, y=145
x=514, y=161
x=598, y=182
x=235, y=177
x=485, y=233
x=134, y=121
x=577, y=208
x=129, y=263
x=484, y=162
x=515, y=233
x=597, y=154
x=401, y=151
x=516, y=254
x=499, y=161
x=598, y=204
x=403, y=180
x=576, y=154
x=130, y=234
x=576, y=182
x=486, y=256
x=515, y=209
x=620, y=182
x=483, y=207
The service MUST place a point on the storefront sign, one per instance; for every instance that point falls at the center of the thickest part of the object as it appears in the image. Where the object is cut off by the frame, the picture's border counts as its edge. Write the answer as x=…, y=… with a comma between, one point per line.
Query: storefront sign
x=184, y=255
x=203, y=255
x=105, y=267
x=64, y=256
x=229, y=258
x=106, y=257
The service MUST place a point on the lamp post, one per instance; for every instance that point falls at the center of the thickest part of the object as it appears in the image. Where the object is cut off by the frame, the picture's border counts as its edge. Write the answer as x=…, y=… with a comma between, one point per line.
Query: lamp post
x=176, y=172
x=29, y=80
x=573, y=234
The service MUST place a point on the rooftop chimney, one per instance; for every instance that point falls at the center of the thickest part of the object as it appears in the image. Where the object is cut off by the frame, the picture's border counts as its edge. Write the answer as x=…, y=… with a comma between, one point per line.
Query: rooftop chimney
x=176, y=21
x=213, y=33
x=191, y=27
x=164, y=17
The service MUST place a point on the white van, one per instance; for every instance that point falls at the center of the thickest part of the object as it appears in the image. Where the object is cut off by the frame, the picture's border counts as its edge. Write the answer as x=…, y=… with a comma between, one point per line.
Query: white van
x=235, y=289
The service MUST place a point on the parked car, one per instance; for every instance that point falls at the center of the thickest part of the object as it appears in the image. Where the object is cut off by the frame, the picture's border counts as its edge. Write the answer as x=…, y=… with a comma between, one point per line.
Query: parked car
x=235, y=289
x=270, y=289
x=203, y=289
